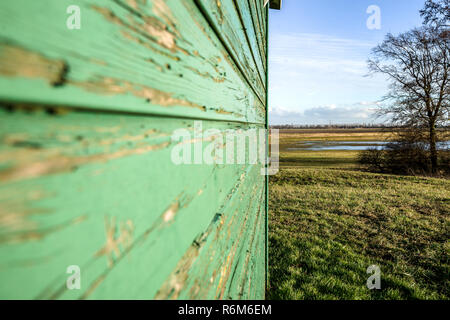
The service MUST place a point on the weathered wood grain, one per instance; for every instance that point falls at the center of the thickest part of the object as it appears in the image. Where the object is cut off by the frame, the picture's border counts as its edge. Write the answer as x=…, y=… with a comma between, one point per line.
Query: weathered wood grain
x=260, y=15
x=237, y=237
x=259, y=29
x=86, y=174
x=156, y=57
x=101, y=192
x=226, y=20
x=245, y=14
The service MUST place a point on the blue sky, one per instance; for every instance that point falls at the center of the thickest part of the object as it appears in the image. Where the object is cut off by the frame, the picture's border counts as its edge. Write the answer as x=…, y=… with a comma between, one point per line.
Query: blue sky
x=318, y=51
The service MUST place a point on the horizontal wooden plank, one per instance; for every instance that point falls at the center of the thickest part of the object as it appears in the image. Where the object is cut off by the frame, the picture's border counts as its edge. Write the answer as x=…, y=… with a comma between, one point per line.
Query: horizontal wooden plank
x=101, y=191
x=260, y=28
x=236, y=235
x=224, y=16
x=261, y=15
x=156, y=57
x=251, y=34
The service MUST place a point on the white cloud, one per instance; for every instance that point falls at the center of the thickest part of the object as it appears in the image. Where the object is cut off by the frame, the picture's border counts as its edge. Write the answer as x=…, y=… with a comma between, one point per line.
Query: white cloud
x=319, y=51
x=333, y=113
x=361, y=112
x=367, y=103
x=316, y=75
x=284, y=113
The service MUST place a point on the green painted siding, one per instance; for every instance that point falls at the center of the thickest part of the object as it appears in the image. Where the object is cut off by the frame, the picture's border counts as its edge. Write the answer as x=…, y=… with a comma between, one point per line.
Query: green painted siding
x=86, y=124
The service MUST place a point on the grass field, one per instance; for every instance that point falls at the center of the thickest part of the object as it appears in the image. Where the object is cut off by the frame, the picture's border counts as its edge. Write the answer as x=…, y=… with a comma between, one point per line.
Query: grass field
x=329, y=221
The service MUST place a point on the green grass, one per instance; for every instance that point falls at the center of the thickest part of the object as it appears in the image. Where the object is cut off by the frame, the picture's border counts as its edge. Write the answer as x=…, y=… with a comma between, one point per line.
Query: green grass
x=329, y=222
x=324, y=159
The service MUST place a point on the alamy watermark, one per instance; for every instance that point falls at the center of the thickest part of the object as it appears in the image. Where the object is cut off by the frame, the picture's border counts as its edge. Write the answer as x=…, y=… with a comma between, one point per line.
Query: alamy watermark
x=374, y=281
x=196, y=146
x=374, y=20
x=73, y=282
x=73, y=22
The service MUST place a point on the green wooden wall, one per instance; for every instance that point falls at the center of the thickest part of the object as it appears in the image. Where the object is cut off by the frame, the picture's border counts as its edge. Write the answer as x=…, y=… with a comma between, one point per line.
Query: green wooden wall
x=86, y=177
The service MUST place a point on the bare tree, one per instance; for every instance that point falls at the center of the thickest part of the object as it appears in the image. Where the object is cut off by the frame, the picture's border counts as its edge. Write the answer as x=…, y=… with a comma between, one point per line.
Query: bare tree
x=436, y=13
x=417, y=64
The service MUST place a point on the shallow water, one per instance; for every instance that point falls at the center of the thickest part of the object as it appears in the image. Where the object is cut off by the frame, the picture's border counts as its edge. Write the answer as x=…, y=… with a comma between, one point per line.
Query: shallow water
x=347, y=145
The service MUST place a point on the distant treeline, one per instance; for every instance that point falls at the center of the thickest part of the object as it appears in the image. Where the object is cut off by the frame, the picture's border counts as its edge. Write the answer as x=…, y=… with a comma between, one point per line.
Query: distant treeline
x=332, y=126
x=341, y=126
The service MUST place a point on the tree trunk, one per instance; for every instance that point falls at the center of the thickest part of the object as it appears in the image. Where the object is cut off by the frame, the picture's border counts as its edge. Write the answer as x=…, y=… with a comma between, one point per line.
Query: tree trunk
x=433, y=150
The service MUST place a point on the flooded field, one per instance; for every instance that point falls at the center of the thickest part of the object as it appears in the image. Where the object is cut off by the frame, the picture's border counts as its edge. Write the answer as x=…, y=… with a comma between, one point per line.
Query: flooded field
x=346, y=145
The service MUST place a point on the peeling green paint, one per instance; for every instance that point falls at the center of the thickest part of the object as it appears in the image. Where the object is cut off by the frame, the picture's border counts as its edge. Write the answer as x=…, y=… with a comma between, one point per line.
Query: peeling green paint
x=86, y=177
